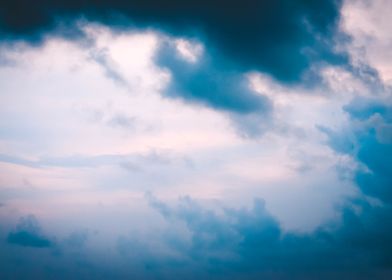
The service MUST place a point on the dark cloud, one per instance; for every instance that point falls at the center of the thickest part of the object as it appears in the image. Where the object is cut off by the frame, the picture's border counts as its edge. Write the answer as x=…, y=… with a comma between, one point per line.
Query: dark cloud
x=28, y=234
x=225, y=243
x=279, y=37
x=210, y=82
x=250, y=244
x=215, y=83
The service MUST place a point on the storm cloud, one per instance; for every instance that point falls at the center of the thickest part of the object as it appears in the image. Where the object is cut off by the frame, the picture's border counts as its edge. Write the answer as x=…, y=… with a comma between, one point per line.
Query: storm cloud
x=281, y=38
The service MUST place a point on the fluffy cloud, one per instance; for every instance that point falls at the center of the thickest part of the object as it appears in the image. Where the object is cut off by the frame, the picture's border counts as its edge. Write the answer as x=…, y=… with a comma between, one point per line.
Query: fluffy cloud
x=249, y=243
x=370, y=143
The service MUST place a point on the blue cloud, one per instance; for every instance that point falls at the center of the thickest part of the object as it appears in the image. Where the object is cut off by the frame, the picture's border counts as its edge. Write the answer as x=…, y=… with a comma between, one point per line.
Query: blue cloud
x=228, y=243
x=77, y=239
x=366, y=143
x=363, y=108
x=360, y=244
x=210, y=82
x=28, y=234
x=214, y=82
x=358, y=248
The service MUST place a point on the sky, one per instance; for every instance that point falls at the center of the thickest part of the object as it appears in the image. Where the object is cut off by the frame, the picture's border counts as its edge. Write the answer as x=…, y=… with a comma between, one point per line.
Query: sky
x=196, y=139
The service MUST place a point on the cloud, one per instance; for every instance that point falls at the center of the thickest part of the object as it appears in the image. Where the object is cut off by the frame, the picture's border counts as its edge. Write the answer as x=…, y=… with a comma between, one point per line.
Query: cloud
x=278, y=37
x=249, y=243
x=28, y=234
x=368, y=140
x=192, y=239
x=101, y=57
x=362, y=108
x=77, y=239
x=369, y=27
x=123, y=121
x=230, y=243
x=79, y=161
x=207, y=81
x=214, y=83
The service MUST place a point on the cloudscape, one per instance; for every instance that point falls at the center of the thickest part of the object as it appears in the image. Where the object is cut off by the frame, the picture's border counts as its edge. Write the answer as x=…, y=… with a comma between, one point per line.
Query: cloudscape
x=168, y=139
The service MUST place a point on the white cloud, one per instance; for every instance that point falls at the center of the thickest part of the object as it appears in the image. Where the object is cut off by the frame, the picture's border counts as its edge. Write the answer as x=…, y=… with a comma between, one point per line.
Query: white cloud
x=369, y=25
x=58, y=102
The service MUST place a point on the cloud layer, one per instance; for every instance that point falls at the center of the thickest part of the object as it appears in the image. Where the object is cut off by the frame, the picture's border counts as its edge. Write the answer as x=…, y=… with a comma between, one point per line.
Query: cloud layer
x=192, y=140
x=281, y=37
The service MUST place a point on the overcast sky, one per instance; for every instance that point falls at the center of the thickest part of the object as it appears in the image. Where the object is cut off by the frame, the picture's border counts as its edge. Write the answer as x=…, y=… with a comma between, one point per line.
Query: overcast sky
x=189, y=139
